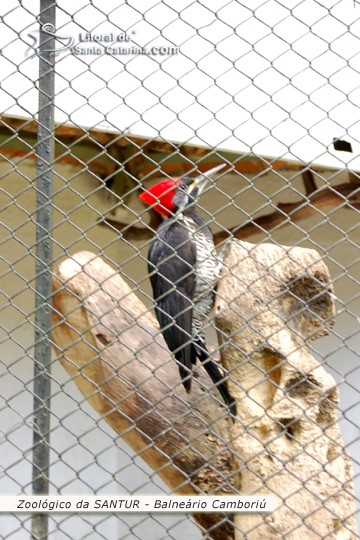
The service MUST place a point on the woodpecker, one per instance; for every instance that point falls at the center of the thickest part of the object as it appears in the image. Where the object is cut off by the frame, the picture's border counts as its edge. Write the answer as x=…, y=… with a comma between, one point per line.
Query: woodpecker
x=183, y=268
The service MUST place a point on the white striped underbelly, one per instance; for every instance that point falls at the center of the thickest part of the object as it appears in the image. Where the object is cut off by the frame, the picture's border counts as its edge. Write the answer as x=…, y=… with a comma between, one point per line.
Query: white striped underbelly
x=206, y=273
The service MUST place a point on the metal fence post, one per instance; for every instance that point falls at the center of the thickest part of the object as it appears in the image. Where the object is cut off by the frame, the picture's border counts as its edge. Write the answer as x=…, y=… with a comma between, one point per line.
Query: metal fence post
x=45, y=156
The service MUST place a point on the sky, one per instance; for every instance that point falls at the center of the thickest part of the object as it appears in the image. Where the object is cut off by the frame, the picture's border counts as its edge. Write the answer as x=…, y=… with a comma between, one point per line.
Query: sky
x=273, y=78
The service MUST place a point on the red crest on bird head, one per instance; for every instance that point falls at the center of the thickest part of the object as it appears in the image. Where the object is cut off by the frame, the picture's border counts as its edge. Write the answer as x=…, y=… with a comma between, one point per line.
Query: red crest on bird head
x=160, y=196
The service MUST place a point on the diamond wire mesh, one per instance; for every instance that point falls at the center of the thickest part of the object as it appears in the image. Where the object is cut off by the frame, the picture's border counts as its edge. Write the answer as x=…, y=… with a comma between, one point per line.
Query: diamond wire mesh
x=259, y=79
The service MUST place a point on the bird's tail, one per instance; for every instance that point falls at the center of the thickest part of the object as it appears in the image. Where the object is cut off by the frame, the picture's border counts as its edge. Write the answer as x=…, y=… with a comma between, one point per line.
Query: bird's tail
x=186, y=357
x=215, y=375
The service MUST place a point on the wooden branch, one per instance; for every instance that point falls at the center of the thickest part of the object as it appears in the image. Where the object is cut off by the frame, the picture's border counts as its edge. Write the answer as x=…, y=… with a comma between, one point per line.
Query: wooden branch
x=111, y=345
x=346, y=195
x=309, y=182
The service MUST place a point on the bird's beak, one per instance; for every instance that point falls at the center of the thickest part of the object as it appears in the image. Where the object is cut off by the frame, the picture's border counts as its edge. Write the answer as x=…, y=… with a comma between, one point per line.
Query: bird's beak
x=201, y=181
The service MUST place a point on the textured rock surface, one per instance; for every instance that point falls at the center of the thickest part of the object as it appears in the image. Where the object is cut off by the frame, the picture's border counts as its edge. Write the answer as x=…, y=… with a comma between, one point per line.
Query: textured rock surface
x=272, y=303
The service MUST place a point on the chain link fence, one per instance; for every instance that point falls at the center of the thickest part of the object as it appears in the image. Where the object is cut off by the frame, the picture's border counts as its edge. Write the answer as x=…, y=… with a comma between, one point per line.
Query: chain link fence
x=100, y=102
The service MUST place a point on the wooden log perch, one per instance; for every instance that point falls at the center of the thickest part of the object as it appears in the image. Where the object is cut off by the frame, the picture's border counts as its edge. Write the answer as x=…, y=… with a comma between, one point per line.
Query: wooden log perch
x=272, y=303
x=111, y=345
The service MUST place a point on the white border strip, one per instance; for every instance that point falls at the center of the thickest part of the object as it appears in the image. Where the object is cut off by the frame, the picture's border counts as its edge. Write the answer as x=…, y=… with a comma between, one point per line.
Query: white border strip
x=134, y=503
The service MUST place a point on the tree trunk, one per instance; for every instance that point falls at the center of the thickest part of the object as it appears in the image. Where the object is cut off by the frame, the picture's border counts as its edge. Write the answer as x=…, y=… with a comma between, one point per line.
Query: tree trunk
x=273, y=302
x=107, y=340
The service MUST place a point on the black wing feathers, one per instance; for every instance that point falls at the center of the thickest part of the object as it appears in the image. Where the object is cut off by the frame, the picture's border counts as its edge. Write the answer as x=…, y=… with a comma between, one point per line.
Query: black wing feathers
x=172, y=259
x=173, y=283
